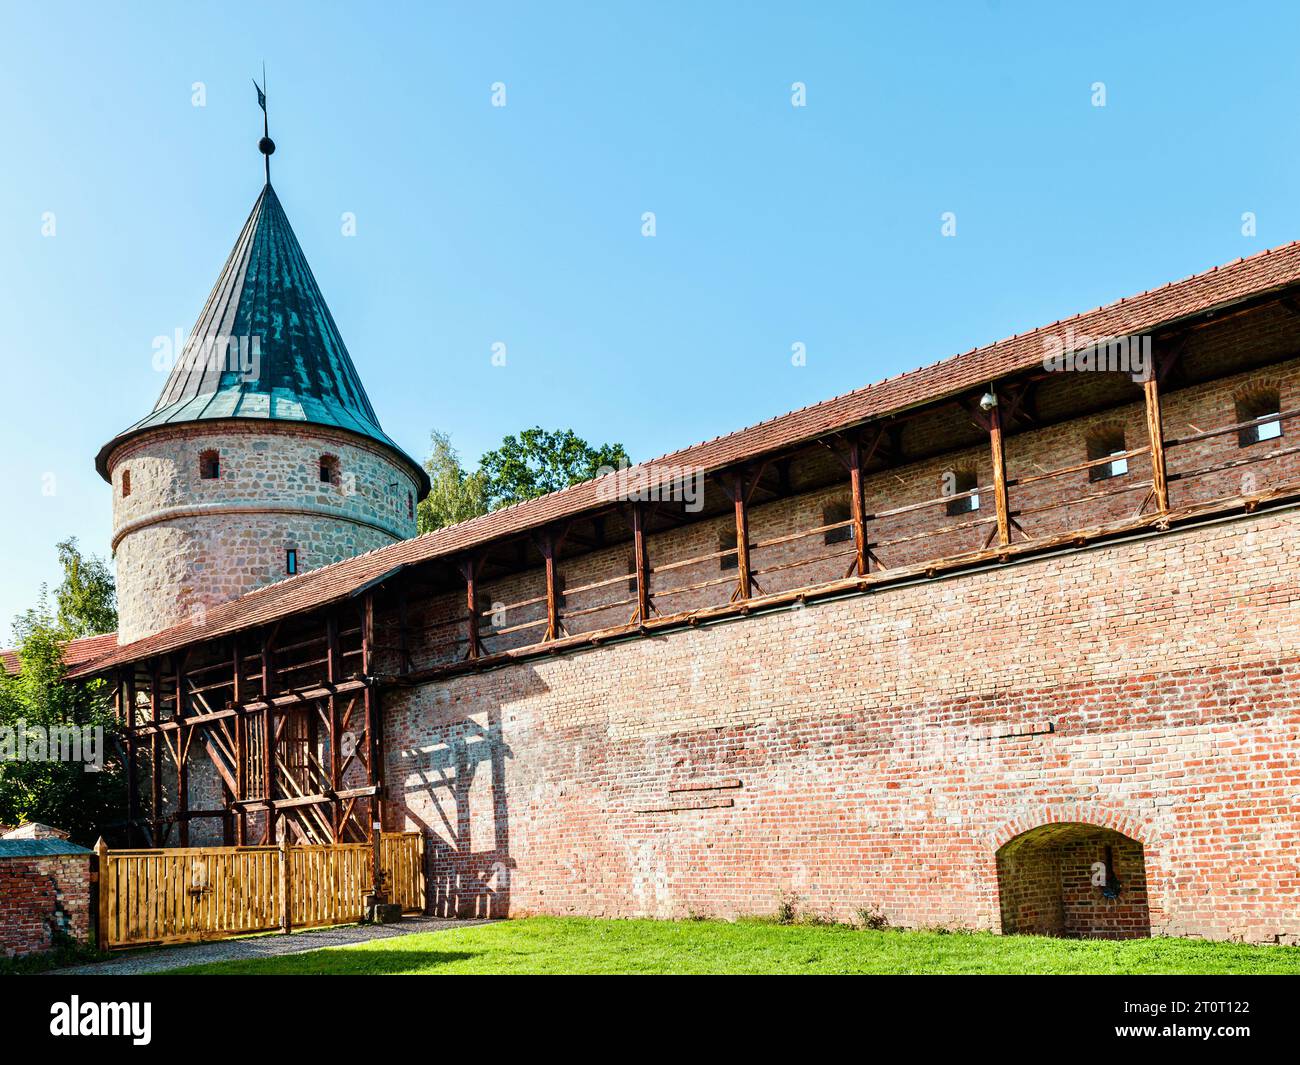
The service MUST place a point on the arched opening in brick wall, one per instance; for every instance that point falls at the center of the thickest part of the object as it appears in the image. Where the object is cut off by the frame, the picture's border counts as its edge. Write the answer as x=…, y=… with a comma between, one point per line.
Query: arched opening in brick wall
x=1073, y=880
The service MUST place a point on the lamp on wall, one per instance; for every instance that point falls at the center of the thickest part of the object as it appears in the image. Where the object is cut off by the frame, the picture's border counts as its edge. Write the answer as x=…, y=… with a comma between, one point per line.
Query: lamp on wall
x=988, y=401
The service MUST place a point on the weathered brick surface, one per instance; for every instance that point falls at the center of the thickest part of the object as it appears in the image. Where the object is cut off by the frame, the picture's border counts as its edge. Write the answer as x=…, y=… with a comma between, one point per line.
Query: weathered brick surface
x=39, y=896
x=888, y=746
x=183, y=543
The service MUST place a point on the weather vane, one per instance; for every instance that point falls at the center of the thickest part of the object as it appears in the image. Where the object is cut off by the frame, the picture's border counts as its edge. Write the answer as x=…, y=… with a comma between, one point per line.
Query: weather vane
x=266, y=146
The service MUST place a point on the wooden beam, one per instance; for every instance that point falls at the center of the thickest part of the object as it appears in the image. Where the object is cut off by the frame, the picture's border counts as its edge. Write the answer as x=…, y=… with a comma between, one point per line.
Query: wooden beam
x=999, y=474
x=155, y=752
x=548, y=544
x=857, y=508
x=469, y=568
x=641, y=563
x=182, y=755
x=241, y=745
x=318, y=800
x=744, y=581
x=293, y=697
x=268, y=734
x=1156, y=435
x=132, y=769
x=370, y=703
x=334, y=659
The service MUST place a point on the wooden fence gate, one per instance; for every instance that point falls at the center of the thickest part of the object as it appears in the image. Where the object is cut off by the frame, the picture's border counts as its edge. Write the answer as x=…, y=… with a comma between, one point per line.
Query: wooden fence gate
x=179, y=895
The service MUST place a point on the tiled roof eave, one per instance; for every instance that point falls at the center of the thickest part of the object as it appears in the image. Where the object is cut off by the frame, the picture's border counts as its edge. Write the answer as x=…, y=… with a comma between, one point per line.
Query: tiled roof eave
x=1216, y=289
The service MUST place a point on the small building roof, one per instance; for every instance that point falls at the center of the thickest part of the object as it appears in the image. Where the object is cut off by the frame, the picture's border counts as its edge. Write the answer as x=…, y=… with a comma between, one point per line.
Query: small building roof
x=1266, y=272
x=39, y=848
x=302, y=371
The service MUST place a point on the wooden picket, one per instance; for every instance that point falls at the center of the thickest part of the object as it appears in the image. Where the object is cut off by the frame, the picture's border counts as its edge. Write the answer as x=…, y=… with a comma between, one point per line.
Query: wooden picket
x=198, y=893
x=402, y=858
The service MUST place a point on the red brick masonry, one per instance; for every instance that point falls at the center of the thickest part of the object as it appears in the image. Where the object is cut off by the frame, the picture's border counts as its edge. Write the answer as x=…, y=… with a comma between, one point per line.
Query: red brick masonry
x=39, y=894
x=881, y=751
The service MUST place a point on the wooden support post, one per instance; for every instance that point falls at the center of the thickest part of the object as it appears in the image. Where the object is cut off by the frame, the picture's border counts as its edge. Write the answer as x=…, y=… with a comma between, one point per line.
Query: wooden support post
x=103, y=893
x=370, y=703
x=182, y=755
x=999, y=475
x=743, y=579
x=469, y=570
x=641, y=563
x=155, y=754
x=1156, y=436
x=268, y=736
x=334, y=658
x=132, y=769
x=548, y=546
x=858, y=509
x=241, y=746
x=286, y=885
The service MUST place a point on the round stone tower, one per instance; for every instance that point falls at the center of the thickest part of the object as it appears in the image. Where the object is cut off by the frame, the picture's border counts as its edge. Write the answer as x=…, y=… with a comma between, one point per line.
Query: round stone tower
x=262, y=457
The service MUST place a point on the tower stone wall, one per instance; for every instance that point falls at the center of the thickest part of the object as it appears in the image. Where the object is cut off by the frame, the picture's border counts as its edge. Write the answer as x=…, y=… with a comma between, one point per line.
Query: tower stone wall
x=183, y=543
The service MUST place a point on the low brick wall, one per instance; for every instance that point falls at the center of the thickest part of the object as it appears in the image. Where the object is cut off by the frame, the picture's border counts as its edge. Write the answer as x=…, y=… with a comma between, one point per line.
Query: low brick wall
x=42, y=894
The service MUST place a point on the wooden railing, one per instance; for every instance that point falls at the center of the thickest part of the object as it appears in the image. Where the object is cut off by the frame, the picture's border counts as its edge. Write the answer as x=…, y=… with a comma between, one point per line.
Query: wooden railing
x=1038, y=505
x=150, y=897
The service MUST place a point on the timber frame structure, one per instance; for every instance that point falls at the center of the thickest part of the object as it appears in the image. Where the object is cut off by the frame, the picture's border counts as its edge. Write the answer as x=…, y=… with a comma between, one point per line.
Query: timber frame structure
x=280, y=690
x=303, y=692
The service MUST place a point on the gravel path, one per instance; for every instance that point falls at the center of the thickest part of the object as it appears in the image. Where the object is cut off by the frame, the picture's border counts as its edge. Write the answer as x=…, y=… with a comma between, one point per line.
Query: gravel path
x=130, y=963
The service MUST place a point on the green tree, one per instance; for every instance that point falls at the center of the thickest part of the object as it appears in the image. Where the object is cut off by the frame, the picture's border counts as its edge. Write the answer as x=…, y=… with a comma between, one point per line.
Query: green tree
x=539, y=461
x=86, y=601
x=37, y=698
x=454, y=495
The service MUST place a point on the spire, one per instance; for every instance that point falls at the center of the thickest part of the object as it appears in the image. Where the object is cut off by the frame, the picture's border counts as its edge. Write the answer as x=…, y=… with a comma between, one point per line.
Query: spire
x=265, y=346
x=266, y=146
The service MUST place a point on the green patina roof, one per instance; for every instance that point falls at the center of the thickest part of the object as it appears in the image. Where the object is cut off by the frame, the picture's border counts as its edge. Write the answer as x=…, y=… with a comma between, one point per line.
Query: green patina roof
x=302, y=371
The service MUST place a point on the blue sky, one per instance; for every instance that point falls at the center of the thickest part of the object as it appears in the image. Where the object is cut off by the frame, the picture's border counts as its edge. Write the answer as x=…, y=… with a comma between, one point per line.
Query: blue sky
x=476, y=224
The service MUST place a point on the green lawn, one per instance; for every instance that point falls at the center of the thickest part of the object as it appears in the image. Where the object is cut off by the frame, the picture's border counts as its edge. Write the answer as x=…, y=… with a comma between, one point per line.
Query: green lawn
x=583, y=945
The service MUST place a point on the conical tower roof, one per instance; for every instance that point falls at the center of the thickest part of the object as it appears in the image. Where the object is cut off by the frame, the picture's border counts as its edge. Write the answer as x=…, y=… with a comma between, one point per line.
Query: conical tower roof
x=293, y=367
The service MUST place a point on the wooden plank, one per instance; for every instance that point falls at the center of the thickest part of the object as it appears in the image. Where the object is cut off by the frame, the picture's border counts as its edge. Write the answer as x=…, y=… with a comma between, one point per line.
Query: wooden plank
x=1155, y=434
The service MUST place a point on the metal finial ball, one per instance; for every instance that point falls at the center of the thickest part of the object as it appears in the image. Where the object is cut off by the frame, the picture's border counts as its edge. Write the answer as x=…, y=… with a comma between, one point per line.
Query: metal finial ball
x=266, y=146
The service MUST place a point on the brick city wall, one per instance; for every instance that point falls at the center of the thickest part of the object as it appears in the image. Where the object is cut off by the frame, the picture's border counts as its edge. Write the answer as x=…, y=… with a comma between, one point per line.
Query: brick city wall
x=183, y=543
x=39, y=895
x=879, y=751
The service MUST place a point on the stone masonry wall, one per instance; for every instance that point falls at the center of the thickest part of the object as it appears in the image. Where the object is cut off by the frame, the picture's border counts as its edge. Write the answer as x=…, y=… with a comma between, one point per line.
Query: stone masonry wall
x=183, y=543
x=878, y=751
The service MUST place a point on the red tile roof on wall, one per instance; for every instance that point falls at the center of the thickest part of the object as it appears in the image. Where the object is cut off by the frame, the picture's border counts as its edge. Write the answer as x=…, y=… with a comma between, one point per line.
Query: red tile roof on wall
x=1222, y=286
x=75, y=652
